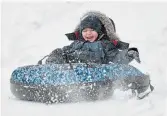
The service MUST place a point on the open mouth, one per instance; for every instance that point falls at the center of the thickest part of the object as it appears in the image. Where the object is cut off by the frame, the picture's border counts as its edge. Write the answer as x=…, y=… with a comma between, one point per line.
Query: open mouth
x=89, y=37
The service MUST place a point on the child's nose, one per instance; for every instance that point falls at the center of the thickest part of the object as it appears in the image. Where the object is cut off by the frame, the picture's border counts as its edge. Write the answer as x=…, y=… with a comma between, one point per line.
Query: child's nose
x=88, y=32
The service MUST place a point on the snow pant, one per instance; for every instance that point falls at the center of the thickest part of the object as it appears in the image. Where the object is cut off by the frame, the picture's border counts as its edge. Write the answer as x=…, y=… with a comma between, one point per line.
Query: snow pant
x=135, y=83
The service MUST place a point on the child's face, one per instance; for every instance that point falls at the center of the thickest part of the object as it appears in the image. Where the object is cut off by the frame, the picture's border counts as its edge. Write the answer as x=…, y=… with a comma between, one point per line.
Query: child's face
x=89, y=34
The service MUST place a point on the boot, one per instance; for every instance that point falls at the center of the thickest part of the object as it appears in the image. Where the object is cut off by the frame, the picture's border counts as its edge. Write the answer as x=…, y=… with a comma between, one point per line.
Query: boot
x=146, y=92
x=134, y=53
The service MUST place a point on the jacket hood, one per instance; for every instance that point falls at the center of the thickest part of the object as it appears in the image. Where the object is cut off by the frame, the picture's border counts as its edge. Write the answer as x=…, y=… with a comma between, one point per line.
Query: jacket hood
x=107, y=23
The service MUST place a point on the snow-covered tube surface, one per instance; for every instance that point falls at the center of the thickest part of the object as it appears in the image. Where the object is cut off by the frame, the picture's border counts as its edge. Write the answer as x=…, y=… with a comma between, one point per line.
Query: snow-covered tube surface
x=68, y=82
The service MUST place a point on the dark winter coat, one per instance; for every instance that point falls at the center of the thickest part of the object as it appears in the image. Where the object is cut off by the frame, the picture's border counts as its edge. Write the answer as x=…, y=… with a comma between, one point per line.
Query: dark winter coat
x=108, y=47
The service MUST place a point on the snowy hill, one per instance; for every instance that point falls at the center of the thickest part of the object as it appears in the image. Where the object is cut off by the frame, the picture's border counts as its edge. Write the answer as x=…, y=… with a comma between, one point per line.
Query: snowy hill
x=31, y=31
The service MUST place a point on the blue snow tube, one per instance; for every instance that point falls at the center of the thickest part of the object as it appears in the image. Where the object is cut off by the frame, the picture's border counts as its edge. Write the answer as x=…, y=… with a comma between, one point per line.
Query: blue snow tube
x=68, y=82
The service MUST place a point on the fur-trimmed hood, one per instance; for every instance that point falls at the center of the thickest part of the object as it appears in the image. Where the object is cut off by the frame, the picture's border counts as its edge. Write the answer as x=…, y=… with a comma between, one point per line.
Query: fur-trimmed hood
x=107, y=23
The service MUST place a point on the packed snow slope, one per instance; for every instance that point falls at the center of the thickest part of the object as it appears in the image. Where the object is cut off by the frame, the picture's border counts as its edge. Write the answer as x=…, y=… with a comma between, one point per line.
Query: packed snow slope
x=32, y=30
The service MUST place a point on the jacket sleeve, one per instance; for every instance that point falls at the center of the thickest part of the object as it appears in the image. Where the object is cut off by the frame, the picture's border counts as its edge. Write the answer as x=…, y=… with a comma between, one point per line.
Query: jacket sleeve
x=60, y=55
x=122, y=45
x=56, y=56
x=117, y=52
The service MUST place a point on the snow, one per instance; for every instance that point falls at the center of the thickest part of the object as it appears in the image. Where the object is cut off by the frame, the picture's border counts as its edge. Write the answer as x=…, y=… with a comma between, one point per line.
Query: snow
x=32, y=30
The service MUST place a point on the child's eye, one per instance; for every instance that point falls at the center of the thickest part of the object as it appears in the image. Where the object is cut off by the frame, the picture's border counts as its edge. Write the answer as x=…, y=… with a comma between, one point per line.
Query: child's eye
x=91, y=29
x=85, y=30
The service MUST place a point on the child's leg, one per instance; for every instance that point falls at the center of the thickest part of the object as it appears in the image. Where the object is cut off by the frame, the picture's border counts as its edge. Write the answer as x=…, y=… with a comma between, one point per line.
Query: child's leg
x=140, y=84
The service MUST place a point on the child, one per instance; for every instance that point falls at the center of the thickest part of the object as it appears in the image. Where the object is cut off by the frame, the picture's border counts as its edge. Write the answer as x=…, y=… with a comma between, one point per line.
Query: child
x=95, y=41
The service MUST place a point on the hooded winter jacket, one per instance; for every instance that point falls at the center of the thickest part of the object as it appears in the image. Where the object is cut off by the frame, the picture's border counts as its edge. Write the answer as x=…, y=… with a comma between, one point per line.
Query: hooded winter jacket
x=107, y=48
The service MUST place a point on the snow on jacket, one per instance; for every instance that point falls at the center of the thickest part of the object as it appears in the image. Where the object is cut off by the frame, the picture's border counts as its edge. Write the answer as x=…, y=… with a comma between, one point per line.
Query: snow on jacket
x=107, y=48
